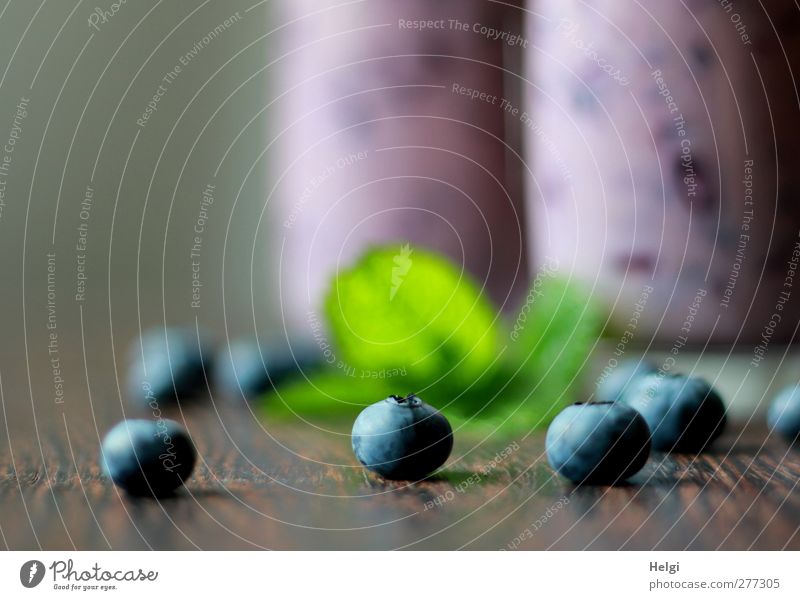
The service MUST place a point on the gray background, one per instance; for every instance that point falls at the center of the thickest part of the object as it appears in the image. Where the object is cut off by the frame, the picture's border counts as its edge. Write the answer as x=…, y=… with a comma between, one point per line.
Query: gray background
x=94, y=84
x=86, y=88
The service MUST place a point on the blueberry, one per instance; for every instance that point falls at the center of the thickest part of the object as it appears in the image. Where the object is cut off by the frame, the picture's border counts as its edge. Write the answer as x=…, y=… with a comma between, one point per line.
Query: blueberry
x=685, y=414
x=148, y=458
x=169, y=364
x=245, y=368
x=402, y=438
x=598, y=443
x=784, y=413
x=613, y=387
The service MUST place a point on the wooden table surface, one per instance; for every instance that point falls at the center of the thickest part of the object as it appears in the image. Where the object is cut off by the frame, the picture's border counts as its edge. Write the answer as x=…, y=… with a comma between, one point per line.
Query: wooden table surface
x=295, y=486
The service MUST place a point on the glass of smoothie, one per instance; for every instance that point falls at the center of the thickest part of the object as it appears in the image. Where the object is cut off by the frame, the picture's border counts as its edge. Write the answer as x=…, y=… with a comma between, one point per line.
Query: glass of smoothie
x=391, y=130
x=661, y=137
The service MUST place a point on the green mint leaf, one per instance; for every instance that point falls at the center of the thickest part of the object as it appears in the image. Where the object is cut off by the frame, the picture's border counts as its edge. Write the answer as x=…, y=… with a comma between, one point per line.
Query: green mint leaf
x=406, y=308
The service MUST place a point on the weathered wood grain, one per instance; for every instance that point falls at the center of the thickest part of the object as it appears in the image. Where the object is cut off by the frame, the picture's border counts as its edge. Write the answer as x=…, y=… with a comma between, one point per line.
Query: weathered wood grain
x=293, y=486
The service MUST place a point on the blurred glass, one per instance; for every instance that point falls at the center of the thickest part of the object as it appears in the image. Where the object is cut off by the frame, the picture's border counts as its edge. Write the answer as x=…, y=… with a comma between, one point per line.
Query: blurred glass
x=663, y=145
x=387, y=134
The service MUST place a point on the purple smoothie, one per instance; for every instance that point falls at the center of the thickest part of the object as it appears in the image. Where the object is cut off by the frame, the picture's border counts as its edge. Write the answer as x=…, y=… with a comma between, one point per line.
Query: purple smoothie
x=662, y=143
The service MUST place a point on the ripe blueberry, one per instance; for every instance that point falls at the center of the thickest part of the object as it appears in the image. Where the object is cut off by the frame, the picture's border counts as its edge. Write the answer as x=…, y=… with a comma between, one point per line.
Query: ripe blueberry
x=597, y=443
x=613, y=387
x=685, y=414
x=784, y=413
x=148, y=458
x=245, y=368
x=169, y=364
x=402, y=438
